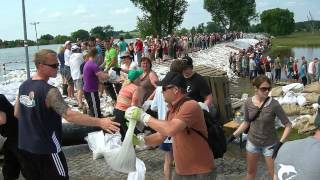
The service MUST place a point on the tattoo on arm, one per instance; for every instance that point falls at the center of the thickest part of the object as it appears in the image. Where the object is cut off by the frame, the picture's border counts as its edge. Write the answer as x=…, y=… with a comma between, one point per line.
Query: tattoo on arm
x=56, y=102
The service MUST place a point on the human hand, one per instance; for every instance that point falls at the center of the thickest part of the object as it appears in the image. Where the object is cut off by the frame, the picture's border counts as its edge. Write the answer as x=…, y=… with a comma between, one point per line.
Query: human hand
x=138, y=140
x=109, y=125
x=231, y=139
x=276, y=148
x=137, y=114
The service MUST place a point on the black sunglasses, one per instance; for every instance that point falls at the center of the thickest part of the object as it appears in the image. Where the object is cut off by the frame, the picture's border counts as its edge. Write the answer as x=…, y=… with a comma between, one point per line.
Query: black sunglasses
x=164, y=88
x=54, y=66
x=264, y=89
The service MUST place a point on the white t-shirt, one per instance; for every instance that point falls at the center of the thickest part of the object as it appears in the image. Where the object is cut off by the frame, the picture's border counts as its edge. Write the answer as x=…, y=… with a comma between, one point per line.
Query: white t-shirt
x=67, y=54
x=76, y=59
x=310, y=68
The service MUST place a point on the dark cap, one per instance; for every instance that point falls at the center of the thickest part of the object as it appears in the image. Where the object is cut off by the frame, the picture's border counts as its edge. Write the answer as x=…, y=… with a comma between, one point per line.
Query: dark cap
x=173, y=78
x=189, y=62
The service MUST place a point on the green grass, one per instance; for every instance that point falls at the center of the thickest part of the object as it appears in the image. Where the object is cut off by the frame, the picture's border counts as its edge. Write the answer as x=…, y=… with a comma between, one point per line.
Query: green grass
x=299, y=39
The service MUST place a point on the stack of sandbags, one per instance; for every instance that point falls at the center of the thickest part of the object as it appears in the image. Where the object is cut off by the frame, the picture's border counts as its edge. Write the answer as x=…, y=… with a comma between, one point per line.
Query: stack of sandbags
x=304, y=123
x=294, y=110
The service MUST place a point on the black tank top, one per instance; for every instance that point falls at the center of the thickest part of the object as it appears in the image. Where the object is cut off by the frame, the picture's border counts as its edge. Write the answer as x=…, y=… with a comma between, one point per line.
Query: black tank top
x=39, y=126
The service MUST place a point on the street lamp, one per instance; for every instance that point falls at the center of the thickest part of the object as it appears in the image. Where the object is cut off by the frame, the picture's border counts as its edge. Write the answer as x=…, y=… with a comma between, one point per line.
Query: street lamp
x=35, y=29
x=25, y=39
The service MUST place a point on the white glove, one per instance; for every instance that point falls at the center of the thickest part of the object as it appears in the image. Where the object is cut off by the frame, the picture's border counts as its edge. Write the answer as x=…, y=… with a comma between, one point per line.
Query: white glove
x=146, y=105
x=135, y=113
x=203, y=106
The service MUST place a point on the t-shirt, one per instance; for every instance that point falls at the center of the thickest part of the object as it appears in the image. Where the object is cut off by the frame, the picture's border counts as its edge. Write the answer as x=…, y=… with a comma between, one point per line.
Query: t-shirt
x=252, y=65
x=67, y=54
x=277, y=64
x=76, y=59
x=197, y=87
x=262, y=129
x=191, y=152
x=122, y=46
x=298, y=159
x=10, y=128
x=90, y=78
x=139, y=46
x=158, y=104
x=109, y=55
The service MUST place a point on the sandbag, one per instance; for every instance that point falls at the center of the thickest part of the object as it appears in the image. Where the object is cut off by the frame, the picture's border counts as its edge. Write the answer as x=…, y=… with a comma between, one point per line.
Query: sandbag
x=294, y=110
x=312, y=97
x=304, y=123
x=96, y=144
x=123, y=159
x=140, y=173
x=313, y=87
x=276, y=91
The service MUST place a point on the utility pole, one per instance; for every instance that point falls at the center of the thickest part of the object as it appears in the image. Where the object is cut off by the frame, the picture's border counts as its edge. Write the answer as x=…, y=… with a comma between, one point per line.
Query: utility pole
x=25, y=39
x=35, y=29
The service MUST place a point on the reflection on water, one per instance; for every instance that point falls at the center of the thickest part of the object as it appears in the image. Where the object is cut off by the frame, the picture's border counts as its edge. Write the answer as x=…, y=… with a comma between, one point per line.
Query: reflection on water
x=296, y=52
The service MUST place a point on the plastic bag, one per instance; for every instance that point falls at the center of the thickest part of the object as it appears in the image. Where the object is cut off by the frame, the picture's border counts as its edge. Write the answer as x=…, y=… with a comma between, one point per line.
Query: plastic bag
x=139, y=174
x=112, y=141
x=96, y=144
x=123, y=159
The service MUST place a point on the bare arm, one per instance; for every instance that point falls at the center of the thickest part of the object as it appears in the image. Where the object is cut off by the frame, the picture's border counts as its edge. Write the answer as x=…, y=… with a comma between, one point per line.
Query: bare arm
x=3, y=118
x=112, y=63
x=167, y=128
x=244, y=125
x=154, y=139
x=102, y=75
x=286, y=132
x=16, y=108
x=55, y=101
x=135, y=98
x=153, y=78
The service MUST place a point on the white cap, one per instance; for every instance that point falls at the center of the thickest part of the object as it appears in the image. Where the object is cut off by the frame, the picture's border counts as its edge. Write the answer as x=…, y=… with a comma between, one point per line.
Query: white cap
x=75, y=47
x=67, y=42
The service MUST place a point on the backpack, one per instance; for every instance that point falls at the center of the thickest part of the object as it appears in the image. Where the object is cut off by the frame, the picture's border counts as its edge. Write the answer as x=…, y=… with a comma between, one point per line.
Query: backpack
x=216, y=138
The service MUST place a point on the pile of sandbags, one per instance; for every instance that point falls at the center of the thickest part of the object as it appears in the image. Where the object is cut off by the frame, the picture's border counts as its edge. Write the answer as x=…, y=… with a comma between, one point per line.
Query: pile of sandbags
x=298, y=101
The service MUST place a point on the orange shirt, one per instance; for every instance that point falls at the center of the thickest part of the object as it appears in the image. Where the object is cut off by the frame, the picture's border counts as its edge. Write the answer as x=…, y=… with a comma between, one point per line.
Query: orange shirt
x=191, y=152
x=125, y=95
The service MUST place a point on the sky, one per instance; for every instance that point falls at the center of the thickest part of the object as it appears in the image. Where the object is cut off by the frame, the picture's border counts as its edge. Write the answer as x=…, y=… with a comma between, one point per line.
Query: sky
x=63, y=17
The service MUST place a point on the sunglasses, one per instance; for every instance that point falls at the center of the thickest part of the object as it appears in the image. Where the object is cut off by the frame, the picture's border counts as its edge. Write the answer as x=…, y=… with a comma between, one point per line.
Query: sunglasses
x=164, y=88
x=264, y=89
x=54, y=66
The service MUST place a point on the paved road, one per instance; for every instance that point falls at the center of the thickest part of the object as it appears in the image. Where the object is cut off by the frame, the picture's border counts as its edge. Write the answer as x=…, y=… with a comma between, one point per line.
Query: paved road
x=83, y=167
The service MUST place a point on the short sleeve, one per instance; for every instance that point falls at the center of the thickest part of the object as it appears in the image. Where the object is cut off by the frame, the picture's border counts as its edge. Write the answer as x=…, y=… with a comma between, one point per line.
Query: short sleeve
x=113, y=53
x=204, y=90
x=280, y=113
x=187, y=112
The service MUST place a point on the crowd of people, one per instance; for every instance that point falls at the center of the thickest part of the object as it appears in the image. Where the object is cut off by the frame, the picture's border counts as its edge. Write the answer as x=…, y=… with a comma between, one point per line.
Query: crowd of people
x=172, y=108
x=253, y=61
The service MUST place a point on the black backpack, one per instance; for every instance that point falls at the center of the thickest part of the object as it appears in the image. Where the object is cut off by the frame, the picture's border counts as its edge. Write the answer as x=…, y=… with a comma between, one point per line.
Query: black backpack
x=216, y=138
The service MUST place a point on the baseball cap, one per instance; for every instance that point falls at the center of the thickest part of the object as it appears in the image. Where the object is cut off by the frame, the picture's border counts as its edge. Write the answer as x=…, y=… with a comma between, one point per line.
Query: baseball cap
x=189, y=61
x=74, y=47
x=173, y=78
x=67, y=42
x=134, y=74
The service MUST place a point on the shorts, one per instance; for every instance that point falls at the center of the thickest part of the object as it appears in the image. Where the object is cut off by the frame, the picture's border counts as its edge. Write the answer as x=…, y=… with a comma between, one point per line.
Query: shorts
x=44, y=166
x=78, y=84
x=266, y=151
x=166, y=147
x=205, y=176
x=67, y=75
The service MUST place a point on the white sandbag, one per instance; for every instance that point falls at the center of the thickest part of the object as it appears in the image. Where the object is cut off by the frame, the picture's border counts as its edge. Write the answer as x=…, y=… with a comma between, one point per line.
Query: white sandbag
x=123, y=159
x=292, y=86
x=139, y=174
x=112, y=141
x=289, y=98
x=113, y=77
x=301, y=100
x=96, y=144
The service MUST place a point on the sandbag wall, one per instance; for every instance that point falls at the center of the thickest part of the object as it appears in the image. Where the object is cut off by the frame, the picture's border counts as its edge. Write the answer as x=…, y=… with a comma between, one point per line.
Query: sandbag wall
x=220, y=88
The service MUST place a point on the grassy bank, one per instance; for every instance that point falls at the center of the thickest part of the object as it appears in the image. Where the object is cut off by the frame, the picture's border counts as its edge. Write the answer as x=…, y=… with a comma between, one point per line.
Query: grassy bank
x=300, y=39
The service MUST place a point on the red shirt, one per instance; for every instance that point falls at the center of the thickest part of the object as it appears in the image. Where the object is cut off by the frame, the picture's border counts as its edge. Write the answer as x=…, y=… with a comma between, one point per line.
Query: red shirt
x=139, y=46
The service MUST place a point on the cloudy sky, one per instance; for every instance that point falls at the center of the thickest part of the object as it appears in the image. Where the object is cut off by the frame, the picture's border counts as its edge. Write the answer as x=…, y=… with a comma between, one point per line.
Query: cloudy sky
x=63, y=17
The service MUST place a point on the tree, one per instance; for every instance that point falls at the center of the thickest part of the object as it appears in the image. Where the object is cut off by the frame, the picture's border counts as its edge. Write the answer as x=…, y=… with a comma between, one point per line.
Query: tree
x=60, y=39
x=213, y=27
x=81, y=34
x=97, y=32
x=163, y=15
x=144, y=25
x=193, y=30
x=231, y=14
x=47, y=37
x=277, y=21
x=183, y=31
x=200, y=28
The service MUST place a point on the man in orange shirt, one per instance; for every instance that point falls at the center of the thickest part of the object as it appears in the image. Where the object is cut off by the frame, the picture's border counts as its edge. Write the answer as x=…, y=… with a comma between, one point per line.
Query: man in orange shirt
x=192, y=154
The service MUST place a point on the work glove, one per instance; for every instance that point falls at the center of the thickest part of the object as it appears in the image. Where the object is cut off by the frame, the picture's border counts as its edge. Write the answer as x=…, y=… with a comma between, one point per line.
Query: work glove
x=231, y=139
x=135, y=113
x=117, y=70
x=203, y=106
x=276, y=148
x=138, y=140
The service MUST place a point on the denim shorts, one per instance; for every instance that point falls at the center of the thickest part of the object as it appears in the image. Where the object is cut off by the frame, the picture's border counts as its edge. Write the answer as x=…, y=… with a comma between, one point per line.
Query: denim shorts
x=166, y=147
x=257, y=149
